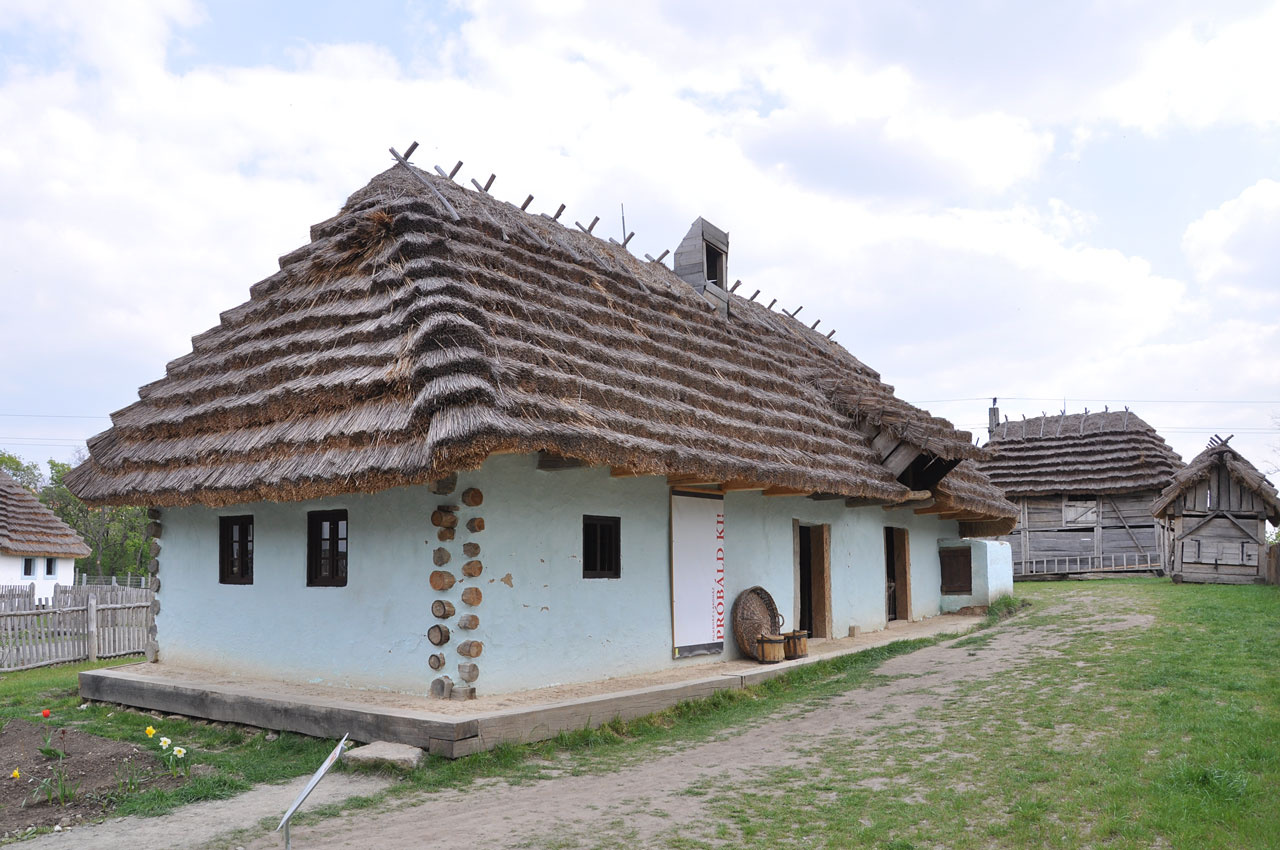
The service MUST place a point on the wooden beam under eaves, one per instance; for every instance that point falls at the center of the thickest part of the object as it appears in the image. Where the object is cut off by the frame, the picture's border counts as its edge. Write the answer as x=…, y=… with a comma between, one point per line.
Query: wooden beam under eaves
x=786, y=491
x=934, y=508
x=861, y=502
x=740, y=486
x=548, y=462
x=692, y=481
x=963, y=516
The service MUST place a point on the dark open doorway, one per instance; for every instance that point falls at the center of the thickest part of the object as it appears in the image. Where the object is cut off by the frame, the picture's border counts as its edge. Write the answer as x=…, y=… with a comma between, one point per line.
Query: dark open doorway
x=813, y=579
x=897, y=574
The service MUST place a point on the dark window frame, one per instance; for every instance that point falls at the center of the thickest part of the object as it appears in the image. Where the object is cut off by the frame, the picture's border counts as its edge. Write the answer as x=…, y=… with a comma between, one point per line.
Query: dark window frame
x=601, y=554
x=957, y=576
x=28, y=567
x=228, y=526
x=327, y=565
x=50, y=567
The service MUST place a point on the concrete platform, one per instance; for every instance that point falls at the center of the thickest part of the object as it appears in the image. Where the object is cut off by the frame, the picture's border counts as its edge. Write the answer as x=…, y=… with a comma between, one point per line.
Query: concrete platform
x=455, y=729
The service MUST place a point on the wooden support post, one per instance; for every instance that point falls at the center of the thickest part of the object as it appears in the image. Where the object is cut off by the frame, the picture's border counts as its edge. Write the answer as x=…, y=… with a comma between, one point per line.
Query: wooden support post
x=91, y=618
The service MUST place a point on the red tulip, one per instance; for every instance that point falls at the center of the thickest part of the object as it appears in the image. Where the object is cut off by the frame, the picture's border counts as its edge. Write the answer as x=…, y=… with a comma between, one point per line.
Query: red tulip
x=44, y=713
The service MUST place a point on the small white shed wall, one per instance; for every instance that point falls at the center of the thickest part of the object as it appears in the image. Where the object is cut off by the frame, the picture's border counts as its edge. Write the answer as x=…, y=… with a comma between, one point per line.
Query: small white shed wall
x=992, y=573
x=11, y=573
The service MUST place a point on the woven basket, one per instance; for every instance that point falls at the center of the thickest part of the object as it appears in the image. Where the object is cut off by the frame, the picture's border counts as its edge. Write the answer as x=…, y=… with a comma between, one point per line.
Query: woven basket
x=754, y=614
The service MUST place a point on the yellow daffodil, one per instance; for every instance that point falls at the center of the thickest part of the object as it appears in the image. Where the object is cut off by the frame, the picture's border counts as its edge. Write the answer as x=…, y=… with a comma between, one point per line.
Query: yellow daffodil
x=15, y=773
x=179, y=752
x=164, y=743
x=151, y=731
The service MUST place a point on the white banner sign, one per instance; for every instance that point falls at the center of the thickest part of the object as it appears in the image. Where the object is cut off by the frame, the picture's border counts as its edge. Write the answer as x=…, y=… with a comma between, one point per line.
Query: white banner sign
x=697, y=574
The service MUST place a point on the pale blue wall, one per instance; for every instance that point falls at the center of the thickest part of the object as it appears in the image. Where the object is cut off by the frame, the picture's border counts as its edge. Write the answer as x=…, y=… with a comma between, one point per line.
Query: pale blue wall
x=548, y=626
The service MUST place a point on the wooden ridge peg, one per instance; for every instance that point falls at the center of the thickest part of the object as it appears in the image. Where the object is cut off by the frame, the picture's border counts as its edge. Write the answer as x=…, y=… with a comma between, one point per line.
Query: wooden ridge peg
x=441, y=580
x=442, y=608
x=438, y=634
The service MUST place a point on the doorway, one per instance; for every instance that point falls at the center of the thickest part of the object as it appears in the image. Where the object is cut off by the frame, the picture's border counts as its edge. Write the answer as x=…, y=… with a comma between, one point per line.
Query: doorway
x=813, y=579
x=897, y=574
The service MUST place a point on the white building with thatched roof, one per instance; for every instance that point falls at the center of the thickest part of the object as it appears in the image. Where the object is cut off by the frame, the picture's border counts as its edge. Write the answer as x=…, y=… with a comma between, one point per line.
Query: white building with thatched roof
x=36, y=547
x=1217, y=510
x=1083, y=484
x=453, y=438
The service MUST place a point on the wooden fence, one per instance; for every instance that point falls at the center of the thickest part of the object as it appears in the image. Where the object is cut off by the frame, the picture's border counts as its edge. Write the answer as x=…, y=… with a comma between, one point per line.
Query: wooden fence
x=1076, y=565
x=1273, y=564
x=55, y=635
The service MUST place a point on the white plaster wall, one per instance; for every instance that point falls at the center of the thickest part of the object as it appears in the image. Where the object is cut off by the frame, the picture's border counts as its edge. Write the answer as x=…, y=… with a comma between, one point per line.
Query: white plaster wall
x=11, y=573
x=541, y=623
x=992, y=573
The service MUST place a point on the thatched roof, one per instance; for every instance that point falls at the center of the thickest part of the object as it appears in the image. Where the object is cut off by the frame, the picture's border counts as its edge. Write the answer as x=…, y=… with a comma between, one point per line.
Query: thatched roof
x=28, y=528
x=1220, y=453
x=1109, y=452
x=401, y=345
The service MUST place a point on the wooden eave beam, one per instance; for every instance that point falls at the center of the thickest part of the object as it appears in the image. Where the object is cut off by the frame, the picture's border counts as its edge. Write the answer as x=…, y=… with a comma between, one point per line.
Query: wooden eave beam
x=934, y=508
x=863, y=502
x=548, y=462
x=786, y=491
x=692, y=481
x=739, y=486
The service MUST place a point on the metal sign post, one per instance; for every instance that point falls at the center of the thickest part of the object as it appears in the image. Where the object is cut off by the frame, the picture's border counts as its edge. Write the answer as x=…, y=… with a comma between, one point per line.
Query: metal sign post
x=315, y=780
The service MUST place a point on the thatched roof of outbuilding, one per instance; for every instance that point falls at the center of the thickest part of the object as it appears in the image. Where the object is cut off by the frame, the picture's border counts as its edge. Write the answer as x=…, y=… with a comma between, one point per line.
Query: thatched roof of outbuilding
x=29, y=529
x=1202, y=467
x=401, y=345
x=1108, y=452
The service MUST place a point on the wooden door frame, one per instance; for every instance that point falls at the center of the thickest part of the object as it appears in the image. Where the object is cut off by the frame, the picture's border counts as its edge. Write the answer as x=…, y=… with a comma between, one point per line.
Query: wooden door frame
x=901, y=572
x=819, y=577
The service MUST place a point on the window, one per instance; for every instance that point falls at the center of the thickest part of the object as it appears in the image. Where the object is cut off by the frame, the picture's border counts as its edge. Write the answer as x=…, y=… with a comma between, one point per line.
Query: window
x=714, y=264
x=50, y=567
x=235, y=550
x=327, y=549
x=1079, y=510
x=28, y=567
x=601, y=547
x=957, y=570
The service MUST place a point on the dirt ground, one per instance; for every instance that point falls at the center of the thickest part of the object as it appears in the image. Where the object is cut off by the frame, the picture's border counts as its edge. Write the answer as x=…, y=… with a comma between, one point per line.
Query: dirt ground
x=92, y=766
x=644, y=803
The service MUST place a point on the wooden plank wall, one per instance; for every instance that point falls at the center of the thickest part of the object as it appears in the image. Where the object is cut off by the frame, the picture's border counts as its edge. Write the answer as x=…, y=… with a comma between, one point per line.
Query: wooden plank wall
x=1118, y=530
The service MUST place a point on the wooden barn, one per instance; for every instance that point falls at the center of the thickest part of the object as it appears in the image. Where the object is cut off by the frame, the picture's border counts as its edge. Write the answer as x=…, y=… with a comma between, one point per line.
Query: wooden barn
x=1083, y=484
x=1216, y=512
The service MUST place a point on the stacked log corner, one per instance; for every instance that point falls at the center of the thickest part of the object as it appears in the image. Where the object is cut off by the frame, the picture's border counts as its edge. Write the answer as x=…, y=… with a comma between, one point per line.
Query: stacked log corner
x=155, y=529
x=448, y=521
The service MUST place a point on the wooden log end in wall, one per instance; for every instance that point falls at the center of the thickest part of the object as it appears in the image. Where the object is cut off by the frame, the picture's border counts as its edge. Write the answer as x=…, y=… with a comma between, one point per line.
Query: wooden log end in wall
x=152, y=652
x=155, y=584
x=475, y=525
x=155, y=607
x=471, y=550
x=441, y=580
x=155, y=547
x=472, y=498
x=440, y=556
x=468, y=621
x=462, y=692
x=153, y=513
x=152, y=631
x=471, y=569
x=472, y=595
x=444, y=486
x=442, y=608
x=436, y=661
x=444, y=519
x=444, y=535
x=468, y=672
x=438, y=634
x=153, y=566
x=470, y=648
x=442, y=688
x=154, y=529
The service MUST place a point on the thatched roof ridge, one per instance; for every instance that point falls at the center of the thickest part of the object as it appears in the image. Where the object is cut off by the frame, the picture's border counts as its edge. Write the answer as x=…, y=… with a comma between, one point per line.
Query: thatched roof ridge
x=401, y=345
x=1108, y=452
x=1201, y=468
x=29, y=529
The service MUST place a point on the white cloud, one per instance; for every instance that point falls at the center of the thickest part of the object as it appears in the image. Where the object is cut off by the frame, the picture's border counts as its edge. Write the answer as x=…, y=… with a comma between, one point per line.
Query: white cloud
x=1198, y=75
x=1235, y=249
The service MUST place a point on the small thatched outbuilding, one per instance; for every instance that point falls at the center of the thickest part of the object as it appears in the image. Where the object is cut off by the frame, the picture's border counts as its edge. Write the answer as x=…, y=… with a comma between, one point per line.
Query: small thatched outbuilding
x=1083, y=484
x=1217, y=510
x=448, y=426
x=36, y=547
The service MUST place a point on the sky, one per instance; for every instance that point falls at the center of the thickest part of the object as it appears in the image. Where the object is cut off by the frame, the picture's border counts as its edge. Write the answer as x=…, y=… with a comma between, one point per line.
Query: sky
x=1063, y=205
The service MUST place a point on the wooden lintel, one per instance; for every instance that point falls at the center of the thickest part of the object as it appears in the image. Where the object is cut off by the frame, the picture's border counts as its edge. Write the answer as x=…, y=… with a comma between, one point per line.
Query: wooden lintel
x=933, y=508
x=692, y=481
x=825, y=497
x=735, y=486
x=862, y=502
x=963, y=516
x=785, y=491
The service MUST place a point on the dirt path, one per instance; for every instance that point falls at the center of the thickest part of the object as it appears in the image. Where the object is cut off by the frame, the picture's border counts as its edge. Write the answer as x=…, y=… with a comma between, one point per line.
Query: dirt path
x=196, y=825
x=644, y=804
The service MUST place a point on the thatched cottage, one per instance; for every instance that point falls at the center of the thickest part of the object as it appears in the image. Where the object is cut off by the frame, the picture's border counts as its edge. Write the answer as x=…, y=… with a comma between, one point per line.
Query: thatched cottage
x=36, y=547
x=1217, y=510
x=450, y=437
x=1083, y=484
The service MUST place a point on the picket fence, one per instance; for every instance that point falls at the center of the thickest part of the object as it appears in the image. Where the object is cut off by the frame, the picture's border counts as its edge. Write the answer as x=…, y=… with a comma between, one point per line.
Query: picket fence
x=78, y=624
